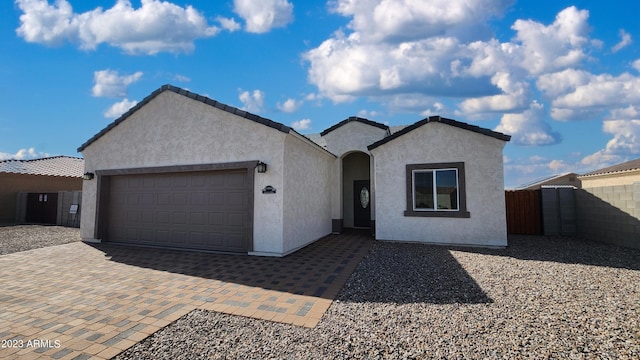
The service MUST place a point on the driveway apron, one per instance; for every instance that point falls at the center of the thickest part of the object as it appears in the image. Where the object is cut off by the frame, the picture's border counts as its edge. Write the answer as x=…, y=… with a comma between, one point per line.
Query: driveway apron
x=80, y=301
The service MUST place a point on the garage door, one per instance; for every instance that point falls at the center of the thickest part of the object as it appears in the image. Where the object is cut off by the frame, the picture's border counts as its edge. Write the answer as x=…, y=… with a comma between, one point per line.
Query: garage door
x=206, y=210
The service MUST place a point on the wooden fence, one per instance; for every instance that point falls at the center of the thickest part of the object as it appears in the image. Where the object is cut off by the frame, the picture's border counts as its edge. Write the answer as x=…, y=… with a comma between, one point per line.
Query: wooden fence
x=524, y=212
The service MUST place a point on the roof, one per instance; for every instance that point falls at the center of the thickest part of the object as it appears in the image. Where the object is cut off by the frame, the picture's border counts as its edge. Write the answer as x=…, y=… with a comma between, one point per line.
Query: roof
x=357, y=119
x=276, y=125
x=545, y=180
x=623, y=167
x=65, y=166
x=458, y=124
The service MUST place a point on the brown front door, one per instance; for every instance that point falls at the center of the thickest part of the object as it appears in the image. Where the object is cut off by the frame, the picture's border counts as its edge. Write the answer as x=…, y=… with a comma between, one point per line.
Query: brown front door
x=42, y=208
x=361, y=204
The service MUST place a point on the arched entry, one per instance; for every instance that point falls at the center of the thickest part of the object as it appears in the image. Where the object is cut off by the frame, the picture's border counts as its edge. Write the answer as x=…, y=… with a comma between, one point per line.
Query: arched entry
x=356, y=190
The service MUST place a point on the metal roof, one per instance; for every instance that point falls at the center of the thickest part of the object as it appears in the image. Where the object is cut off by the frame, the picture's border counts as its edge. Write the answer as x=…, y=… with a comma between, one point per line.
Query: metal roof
x=65, y=166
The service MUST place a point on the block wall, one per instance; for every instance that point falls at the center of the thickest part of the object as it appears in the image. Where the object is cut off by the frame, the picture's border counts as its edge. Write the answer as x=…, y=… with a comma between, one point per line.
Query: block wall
x=610, y=214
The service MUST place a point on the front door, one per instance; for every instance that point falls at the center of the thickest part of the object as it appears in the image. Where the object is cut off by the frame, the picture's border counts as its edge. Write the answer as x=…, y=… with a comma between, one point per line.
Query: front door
x=361, y=204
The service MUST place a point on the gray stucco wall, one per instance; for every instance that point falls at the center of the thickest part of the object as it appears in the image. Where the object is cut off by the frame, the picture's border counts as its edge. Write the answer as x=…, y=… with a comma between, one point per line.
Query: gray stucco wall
x=610, y=214
x=437, y=143
x=174, y=130
x=306, y=207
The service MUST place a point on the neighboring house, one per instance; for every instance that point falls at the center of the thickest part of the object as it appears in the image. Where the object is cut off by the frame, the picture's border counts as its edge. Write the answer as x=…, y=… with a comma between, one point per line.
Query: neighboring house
x=608, y=206
x=30, y=189
x=565, y=179
x=181, y=170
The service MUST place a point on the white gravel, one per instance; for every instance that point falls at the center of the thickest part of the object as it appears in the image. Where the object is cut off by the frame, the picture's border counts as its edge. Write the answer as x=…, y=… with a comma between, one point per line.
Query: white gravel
x=542, y=297
x=16, y=238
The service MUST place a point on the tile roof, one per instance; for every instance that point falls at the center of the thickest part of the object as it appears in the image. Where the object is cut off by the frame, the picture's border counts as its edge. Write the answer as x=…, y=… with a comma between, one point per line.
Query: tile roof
x=625, y=166
x=355, y=118
x=270, y=123
x=65, y=166
x=458, y=124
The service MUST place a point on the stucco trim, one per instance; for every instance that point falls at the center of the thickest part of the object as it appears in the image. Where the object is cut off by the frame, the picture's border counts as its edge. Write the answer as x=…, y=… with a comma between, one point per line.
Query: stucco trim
x=103, y=177
x=461, y=213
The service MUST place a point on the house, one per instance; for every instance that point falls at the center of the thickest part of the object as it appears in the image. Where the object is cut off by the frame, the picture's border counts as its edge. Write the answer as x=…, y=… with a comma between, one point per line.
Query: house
x=36, y=191
x=564, y=179
x=608, y=205
x=184, y=171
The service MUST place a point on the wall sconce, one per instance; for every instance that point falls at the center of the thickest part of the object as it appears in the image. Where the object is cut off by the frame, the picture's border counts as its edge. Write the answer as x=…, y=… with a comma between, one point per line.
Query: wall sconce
x=262, y=167
x=88, y=176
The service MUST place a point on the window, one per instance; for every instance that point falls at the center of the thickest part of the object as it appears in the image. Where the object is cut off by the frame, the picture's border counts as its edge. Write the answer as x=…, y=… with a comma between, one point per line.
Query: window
x=436, y=190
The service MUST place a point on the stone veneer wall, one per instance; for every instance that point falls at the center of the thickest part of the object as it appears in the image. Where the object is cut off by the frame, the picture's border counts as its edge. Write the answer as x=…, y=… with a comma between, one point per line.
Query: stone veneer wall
x=610, y=214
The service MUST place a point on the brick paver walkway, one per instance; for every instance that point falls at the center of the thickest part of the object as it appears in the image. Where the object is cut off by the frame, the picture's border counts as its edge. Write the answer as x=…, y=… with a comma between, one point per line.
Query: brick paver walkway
x=78, y=301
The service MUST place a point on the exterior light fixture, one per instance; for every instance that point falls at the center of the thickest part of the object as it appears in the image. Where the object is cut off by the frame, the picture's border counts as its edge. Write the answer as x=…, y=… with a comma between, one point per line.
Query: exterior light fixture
x=262, y=167
x=88, y=176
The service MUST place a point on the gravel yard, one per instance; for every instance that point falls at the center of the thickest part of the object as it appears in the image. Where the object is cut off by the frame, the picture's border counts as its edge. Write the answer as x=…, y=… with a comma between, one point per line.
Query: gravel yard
x=539, y=298
x=16, y=238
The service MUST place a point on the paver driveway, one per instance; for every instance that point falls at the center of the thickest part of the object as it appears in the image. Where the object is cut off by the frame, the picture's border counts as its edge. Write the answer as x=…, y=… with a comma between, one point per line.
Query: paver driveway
x=78, y=301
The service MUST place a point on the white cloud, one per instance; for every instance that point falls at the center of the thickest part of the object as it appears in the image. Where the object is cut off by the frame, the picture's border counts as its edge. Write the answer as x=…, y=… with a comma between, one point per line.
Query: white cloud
x=109, y=83
x=252, y=101
x=434, y=49
x=636, y=65
x=625, y=40
x=626, y=136
x=515, y=96
x=23, y=154
x=625, y=144
x=587, y=95
x=368, y=114
x=528, y=128
x=181, y=78
x=402, y=20
x=228, y=24
x=304, y=124
x=553, y=47
x=157, y=26
x=261, y=16
x=289, y=106
x=119, y=108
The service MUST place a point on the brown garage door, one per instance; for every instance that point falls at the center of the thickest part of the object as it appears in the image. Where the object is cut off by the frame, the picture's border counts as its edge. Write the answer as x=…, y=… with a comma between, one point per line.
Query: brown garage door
x=206, y=210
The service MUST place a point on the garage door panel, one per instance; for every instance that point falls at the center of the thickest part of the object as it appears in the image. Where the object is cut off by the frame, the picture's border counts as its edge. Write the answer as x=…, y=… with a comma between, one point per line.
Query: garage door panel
x=217, y=199
x=216, y=239
x=179, y=199
x=216, y=218
x=147, y=218
x=235, y=181
x=198, y=199
x=235, y=220
x=199, y=210
x=147, y=235
x=148, y=199
x=179, y=237
x=237, y=199
x=163, y=217
x=178, y=218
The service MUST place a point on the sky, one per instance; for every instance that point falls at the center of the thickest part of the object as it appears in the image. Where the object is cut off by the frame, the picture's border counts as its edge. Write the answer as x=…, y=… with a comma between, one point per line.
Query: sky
x=561, y=77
